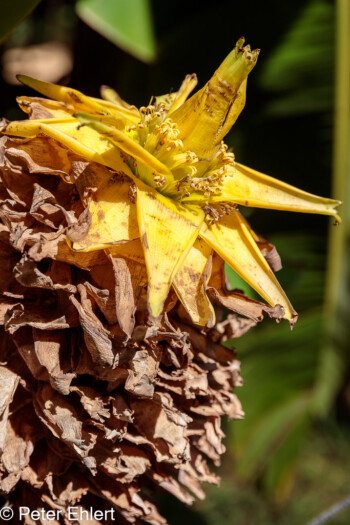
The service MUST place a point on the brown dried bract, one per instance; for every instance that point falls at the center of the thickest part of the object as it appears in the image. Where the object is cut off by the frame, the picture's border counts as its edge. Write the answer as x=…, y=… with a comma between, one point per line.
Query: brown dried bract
x=97, y=400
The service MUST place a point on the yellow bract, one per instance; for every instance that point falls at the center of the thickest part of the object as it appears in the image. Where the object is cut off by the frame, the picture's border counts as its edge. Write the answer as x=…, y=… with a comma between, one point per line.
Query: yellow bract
x=125, y=143
x=168, y=231
x=208, y=115
x=113, y=217
x=248, y=187
x=170, y=157
x=191, y=283
x=83, y=141
x=232, y=240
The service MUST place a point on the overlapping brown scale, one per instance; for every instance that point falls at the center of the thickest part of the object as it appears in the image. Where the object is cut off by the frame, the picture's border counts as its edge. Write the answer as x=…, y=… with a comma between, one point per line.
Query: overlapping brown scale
x=99, y=400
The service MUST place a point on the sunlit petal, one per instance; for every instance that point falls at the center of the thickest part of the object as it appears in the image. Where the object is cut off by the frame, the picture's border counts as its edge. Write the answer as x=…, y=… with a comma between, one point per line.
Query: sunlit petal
x=113, y=216
x=251, y=188
x=191, y=281
x=231, y=239
x=168, y=232
x=83, y=141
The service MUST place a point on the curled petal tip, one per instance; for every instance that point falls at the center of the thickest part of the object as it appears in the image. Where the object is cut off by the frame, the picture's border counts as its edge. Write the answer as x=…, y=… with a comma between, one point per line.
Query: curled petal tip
x=21, y=78
x=240, y=43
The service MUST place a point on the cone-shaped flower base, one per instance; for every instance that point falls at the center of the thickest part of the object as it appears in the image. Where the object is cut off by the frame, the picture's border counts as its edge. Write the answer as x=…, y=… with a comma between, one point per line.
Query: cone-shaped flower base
x=97, y=399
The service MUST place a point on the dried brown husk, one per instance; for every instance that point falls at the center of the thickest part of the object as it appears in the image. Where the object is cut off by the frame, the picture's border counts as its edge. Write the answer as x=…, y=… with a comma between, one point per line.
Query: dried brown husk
x=98, y=400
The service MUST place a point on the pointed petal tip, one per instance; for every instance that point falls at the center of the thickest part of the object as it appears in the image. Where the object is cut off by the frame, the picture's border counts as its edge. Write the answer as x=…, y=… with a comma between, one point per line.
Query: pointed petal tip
x=154, y=319
x=22, y=78
x=287, y=312
x=155, y=307
x=293, y=319
x=337, y=220
x=211, y=322
x=108, y=93
x=30, y=81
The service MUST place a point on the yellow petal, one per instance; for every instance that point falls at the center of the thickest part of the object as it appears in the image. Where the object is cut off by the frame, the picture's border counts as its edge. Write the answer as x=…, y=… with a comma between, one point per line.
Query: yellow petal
x=191, y=281
x=63, y=94
x=120, y=122
x=77, y=99
x=87, y=261
x=235, y=110
x=56, y=109
x=131, y=113
x=209, y=114
x=130, y=250
x=125, y=143
x=83, y=141
x=113, y=216
x=186, y=88
x=166, y=100
x=267, y=249
x=114, y=108
x=235, y=300
x=251, y=188
x=111, y=96
x=168, y=231
x=231, y=239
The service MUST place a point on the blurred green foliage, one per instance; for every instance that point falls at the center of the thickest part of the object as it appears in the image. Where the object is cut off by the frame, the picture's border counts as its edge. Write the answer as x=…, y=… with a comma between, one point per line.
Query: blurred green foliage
x=128, y=24
x=280, y=370
x=298, y=71
x=12, y=13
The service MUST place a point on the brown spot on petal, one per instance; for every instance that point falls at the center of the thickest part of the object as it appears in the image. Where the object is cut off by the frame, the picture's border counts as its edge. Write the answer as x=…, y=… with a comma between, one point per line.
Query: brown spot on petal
x=144, y=241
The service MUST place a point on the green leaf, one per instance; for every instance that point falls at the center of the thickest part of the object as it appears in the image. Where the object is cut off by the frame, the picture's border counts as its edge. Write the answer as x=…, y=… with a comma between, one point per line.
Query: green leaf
x=12, y=13
x=282, y=368
x=126, y=23
x=284, y=461
x=238, y=283
x=271, y=432
x=300, y=69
